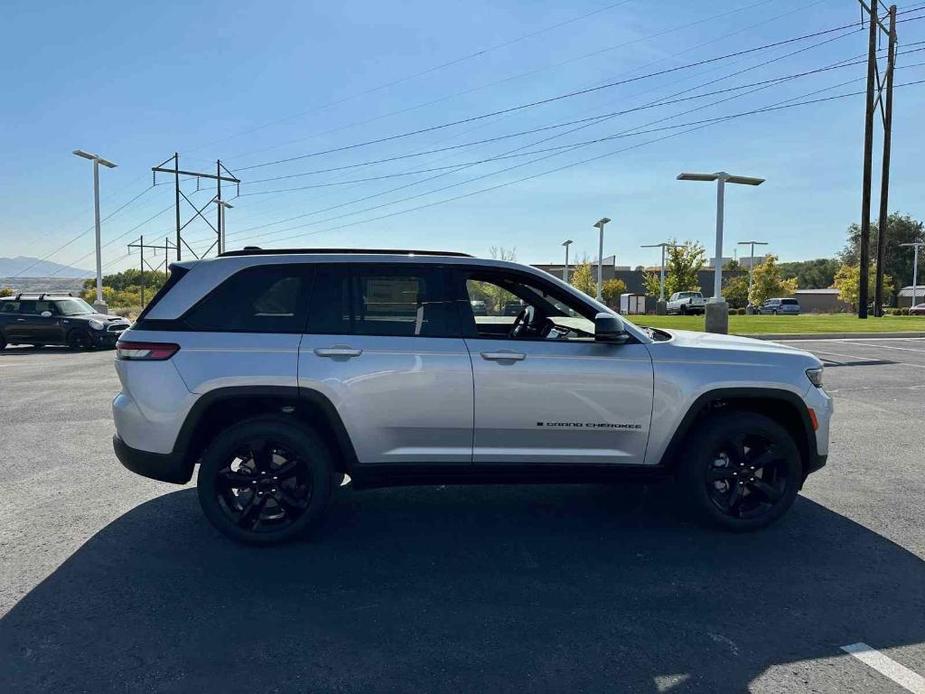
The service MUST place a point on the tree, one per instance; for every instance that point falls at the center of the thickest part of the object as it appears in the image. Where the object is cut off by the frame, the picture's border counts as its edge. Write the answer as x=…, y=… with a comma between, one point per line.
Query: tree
x=582, y=278
x=6, y=291
x=495, y=297
x=612, y=290
x=811, y=274
x=653, y=283
x=897, y=261
x=767, y=282
x=123, y=289
x=681, y=267
x=735, y=291
x=848, y=283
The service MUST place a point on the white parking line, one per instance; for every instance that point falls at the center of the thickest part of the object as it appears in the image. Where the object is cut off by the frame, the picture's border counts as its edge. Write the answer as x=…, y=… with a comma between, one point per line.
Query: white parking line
x=866, y=358
x=900, y=674
x=901, y=349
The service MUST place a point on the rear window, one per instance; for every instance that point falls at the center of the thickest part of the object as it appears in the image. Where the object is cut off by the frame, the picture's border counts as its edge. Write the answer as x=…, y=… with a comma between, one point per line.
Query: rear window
x=790, y=302
x=176, y=273
x=9, y=307
x=262, y=299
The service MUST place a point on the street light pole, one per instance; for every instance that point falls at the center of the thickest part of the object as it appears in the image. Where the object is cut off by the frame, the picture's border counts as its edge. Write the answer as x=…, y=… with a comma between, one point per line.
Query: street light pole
x=222, y=206
x=99, y=304
x=916, y=245
x=565, y=271
x=660, y=308
x=600, y=256
x=751, y=260
x=717, y=312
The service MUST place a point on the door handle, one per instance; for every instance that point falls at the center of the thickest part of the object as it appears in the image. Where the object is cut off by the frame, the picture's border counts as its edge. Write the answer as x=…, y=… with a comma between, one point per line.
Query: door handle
x=504, y=355
x=336, y=351
x=20, y=320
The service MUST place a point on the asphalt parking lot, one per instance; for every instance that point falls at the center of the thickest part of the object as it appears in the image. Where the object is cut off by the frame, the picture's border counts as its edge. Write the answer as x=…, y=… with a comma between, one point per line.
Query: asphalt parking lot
x=110, y=582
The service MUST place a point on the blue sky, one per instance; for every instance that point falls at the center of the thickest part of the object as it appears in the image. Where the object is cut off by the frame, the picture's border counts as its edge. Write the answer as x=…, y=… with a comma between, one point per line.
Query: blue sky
x=252, y=83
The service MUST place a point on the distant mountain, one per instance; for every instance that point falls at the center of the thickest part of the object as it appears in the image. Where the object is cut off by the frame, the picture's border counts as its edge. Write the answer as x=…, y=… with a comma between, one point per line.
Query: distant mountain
x=33, y=267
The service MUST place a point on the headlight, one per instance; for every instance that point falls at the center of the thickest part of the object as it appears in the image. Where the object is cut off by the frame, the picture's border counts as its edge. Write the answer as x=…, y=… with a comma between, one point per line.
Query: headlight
x=815, y=376
x=95, y=324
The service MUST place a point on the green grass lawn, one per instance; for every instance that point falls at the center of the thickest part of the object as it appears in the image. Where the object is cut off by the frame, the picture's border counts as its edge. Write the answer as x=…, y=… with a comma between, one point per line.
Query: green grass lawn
x=809, y=323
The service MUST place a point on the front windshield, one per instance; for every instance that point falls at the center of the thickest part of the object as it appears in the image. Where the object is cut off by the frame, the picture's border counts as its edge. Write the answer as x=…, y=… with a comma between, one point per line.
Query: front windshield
x=74, y=307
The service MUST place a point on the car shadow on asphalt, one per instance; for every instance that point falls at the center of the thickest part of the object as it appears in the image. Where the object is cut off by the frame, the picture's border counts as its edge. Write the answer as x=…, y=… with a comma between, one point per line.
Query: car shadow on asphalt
x=560, y=588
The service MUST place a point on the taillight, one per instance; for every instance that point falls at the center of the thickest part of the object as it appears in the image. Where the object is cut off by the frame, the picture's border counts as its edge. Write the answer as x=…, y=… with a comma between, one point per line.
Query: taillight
x=145, y=351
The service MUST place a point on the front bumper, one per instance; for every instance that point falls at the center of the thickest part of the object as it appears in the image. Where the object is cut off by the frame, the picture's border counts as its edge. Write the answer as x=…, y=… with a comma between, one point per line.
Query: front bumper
x=164, y=467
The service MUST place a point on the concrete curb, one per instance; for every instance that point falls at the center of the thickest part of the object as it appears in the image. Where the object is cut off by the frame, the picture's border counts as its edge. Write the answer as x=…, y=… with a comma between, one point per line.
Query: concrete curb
x=827, y=336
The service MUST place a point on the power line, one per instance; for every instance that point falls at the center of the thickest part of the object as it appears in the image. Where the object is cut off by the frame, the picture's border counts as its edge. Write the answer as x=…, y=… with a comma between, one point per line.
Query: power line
x=560, y=168
x=82, y=234
x=657, y=104
x=722, y=37
x=476, y=178
x=661, y=99
x=427, y=71
x=533, y=72
x=559, y=97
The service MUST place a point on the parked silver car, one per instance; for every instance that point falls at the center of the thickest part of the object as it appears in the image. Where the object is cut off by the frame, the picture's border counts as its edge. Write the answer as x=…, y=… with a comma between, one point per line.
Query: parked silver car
x=280, y=372
x=783, y=307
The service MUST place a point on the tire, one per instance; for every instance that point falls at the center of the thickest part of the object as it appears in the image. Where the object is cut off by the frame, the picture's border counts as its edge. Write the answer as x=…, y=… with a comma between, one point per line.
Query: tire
x=243, y=498
x=683, y=311
x=743, y=471
x=79, y=340
x=2, y=342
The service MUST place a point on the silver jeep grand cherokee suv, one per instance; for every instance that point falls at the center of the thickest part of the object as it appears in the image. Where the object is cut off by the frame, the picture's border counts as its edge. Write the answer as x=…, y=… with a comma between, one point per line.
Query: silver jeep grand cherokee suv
x=281, y=372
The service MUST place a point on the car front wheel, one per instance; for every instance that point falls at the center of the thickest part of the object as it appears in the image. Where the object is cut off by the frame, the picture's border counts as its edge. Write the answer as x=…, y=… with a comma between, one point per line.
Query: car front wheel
x=743, y=471
x=79, y=340
x=265, y=480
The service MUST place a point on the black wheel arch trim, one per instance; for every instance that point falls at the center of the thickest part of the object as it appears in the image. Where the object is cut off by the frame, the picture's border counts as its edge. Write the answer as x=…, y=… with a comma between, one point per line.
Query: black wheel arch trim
x=813, y=461
x=177, y=466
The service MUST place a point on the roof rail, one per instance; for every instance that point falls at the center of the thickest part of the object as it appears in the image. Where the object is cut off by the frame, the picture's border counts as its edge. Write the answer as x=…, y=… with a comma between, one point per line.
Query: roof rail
x=40, y=296
x=254, y=250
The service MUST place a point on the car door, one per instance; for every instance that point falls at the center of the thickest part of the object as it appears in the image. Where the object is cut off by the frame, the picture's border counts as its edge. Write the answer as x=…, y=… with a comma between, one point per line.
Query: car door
x=568, y=400
x=383, y=346
x=30, y=326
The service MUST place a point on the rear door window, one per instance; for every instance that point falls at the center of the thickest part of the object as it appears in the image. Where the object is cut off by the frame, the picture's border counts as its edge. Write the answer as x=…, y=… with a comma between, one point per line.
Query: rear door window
x=789, y=302
x=381, y=300
x=262, y=299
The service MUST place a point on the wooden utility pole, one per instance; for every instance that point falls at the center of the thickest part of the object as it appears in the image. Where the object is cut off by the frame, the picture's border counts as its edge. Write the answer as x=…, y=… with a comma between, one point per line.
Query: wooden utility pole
x=885, y=172
x=868, y=158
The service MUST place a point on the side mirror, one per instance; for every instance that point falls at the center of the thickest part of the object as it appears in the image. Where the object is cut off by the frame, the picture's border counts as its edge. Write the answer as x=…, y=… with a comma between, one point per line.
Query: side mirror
x=610, y=328
x=45, y=314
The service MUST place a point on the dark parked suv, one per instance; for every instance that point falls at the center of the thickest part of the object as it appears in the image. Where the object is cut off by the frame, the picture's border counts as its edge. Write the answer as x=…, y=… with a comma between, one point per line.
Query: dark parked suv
x=55, y=319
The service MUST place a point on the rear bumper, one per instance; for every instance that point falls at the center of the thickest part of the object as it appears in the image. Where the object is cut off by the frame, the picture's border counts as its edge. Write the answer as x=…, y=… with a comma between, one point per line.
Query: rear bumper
x=164, y=467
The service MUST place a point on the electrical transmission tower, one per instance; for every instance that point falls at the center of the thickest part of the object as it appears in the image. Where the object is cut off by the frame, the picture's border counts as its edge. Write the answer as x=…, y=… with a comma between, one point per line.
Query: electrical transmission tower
x=141, y=246
x=218, y=177
x=879, y=94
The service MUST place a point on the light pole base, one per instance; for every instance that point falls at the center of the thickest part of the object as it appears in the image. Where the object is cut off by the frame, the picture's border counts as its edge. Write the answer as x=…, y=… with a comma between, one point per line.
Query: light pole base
x=101, y=306
x=661, y=308
x=717, y=317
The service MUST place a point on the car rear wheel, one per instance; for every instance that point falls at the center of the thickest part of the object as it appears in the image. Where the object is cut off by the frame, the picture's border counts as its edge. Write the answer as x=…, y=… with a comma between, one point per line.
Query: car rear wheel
x=2, y=342
x=265, y=480
x=743, y=471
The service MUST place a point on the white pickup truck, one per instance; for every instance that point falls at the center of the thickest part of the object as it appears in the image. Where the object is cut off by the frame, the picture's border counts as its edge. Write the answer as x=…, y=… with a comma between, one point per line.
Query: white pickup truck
x=686, y=302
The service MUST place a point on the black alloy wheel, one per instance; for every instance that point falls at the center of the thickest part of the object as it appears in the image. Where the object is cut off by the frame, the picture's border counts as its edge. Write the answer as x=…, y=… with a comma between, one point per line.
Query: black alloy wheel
x=79, y=340
x=747, y=476
x=265, y=480
x=745, y=471
x=264, y=487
